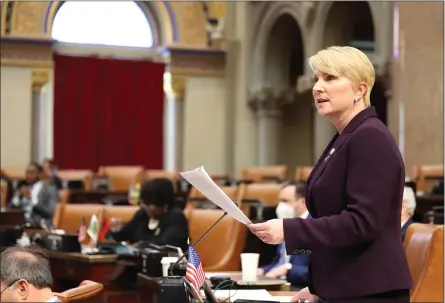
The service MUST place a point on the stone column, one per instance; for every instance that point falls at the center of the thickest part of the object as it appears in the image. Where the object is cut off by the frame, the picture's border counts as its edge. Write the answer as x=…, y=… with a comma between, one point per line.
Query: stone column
x=267, y=104
x=323, y=128
x=174, y=87
x=39, y=115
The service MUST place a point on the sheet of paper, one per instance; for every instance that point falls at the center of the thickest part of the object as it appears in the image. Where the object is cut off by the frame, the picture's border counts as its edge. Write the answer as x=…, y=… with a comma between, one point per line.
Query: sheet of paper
x=202, y=181
x=246, y=294
x=283, y=299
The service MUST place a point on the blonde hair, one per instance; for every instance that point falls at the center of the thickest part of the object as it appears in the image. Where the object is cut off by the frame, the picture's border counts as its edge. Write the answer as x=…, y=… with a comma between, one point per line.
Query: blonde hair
x=346, y=61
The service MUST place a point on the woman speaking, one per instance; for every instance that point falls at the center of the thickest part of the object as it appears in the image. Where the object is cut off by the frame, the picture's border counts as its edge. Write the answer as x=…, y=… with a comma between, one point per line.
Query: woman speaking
x=354, y=194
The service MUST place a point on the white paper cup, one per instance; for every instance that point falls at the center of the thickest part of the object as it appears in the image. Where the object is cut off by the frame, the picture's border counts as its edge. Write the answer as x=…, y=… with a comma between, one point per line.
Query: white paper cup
x=166, y=262
x=249, y=266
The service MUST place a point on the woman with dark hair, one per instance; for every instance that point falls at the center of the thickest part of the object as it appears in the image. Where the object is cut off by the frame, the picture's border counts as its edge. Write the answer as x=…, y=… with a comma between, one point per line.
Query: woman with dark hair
x=159, y=221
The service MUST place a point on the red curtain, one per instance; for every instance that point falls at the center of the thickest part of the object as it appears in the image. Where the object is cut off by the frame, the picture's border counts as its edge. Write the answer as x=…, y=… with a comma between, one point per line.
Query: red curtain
x=107, y=112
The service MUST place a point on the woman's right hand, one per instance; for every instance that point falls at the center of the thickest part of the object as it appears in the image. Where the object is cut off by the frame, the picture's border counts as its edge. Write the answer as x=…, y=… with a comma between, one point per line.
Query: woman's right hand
x=304, y=296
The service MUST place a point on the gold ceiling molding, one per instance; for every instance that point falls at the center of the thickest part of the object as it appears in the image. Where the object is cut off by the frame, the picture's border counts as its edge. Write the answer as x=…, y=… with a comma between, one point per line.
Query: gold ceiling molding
x=186, y=61
x=26, y=52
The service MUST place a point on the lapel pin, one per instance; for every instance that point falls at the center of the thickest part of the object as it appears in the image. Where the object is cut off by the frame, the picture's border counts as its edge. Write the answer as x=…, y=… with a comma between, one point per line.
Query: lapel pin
x=330, y=154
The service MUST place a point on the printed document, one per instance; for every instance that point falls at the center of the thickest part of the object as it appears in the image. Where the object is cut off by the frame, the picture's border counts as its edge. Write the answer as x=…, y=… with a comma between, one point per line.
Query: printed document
x=202, y=181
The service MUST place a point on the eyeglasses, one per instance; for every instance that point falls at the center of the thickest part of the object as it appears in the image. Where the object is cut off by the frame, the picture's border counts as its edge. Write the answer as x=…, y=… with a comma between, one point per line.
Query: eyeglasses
x=10, y=284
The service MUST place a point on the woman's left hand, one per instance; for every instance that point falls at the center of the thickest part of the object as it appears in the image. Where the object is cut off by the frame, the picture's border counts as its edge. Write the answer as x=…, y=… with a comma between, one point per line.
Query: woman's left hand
x=270, y=232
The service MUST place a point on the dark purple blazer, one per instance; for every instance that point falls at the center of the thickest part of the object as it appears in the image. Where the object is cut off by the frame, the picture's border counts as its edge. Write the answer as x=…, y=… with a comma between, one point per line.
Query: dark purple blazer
x=355, y=197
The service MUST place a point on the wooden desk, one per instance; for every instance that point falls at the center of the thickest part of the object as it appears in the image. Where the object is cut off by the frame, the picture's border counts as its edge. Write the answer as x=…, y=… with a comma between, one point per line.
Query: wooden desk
x=69, y=269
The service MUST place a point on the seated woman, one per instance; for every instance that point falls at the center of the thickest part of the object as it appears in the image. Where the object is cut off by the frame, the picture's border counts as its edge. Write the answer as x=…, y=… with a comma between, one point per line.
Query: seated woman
x=159, y=220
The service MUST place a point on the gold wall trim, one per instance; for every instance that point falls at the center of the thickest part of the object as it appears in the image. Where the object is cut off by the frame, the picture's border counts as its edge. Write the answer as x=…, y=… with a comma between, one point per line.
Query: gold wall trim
x=196, y=73
x=18, y=51
x=194, y=61
x=4, y=7
x=26, y=63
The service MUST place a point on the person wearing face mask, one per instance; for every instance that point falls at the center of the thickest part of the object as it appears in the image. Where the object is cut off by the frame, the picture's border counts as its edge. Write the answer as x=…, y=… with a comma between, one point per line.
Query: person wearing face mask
x=293, y=268
x=159, y=220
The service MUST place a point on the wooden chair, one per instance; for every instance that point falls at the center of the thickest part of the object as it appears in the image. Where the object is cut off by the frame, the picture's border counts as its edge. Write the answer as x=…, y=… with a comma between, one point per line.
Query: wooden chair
x=424, y=174
x=267, y=193
x=196, y=197
x=430, y=287
x=84, y=175
x=15, y=174
x=261, y=174
x=69, y=216
x=3, y=194
x=125, y=213
x=302, y=173
x=150, y=174
x=122, y=177
x=86, y=291
x=417, y=245
x=221, y=249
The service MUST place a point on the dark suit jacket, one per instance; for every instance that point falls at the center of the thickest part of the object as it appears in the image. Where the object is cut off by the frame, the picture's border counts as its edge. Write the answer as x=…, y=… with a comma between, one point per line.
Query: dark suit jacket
x=405, y=228
x=355, y=197
x=172, y=229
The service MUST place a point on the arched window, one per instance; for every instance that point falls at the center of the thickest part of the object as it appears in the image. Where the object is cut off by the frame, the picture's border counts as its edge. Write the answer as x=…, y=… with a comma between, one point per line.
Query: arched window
x=106, y=23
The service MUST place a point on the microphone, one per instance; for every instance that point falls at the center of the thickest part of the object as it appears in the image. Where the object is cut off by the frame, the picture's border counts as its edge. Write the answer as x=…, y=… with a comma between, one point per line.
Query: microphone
x=196, y=243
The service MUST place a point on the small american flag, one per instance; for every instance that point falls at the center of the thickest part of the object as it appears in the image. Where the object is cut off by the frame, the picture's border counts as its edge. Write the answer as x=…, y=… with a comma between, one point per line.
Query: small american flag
x=195, y=274
x=82, y=231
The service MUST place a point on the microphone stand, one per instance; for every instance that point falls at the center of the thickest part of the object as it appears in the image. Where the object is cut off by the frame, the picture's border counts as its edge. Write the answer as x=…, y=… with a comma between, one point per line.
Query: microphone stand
x=196, y=243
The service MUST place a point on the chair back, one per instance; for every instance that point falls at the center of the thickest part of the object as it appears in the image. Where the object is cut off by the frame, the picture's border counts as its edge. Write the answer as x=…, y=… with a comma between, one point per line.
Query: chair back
x=221, y=249
x=424, y=175
x=430, y=287
x=302, y=173
x=3, y=193
x=86, y=291
x=417, y=243
x=265, y=173
x=69, y=216
x=268, y=193
x=122, y=177
x=83, y=175
x=123, y=212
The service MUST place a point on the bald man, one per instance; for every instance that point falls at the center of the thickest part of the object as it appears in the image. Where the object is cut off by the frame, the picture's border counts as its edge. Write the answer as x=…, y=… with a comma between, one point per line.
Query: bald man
x=25, y=276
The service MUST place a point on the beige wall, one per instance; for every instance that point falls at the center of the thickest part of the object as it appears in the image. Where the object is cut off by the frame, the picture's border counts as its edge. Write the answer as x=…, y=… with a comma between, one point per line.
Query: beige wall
x=16, y=113
x=419, y=81
x=205, y=124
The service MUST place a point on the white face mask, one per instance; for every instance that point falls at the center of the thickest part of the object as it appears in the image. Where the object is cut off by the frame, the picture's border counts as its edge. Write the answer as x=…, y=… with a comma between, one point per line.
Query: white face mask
x=285, y=211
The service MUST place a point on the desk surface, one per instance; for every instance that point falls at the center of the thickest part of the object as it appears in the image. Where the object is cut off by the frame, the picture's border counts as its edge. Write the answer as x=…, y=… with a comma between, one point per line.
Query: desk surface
x=237, y=277
x=82, y=257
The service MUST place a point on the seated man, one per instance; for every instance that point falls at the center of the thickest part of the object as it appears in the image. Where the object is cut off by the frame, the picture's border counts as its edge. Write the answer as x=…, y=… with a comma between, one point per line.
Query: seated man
x=25, y=276
x=408, y=208
x=159, y=220
x=36, y=197
x=294, y=268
